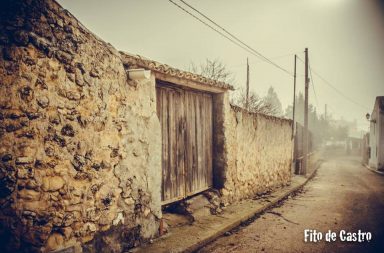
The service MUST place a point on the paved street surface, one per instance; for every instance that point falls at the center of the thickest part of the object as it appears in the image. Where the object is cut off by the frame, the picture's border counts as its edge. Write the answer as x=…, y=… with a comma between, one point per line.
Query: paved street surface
x=344, y=195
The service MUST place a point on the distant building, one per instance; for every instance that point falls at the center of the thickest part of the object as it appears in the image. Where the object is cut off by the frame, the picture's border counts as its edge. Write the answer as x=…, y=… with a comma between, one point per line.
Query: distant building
x=354, y=146
x=376, y=136
x=354, y=141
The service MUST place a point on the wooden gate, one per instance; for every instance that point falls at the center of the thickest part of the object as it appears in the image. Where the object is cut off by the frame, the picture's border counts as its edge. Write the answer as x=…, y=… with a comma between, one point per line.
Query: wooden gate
x=186, y=124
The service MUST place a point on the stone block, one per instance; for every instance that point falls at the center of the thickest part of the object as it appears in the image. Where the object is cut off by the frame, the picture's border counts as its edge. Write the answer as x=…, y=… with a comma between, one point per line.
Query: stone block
x=24, y=160
x=52, y=183
x=54, y=242
x=29, y=194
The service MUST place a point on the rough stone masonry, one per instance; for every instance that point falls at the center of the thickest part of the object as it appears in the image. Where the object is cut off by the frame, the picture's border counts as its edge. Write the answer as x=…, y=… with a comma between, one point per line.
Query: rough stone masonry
x=79, y=142
x=259, y=154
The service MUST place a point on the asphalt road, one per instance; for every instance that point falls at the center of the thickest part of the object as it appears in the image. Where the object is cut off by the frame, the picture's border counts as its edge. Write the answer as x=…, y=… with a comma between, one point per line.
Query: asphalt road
x=343, y=195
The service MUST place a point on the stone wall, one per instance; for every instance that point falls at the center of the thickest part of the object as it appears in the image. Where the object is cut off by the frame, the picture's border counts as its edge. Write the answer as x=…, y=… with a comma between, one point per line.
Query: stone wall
x=258, y=152
x=79, y=142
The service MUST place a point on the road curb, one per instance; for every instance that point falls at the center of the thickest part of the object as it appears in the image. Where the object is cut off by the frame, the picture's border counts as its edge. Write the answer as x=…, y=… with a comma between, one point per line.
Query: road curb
x=375, y=171
x=164, y=244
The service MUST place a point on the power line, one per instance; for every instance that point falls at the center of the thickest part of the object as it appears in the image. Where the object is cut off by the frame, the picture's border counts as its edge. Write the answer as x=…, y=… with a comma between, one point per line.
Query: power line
x=284, y=55
x=274, y=57
x=233, y=36
x=236, y=38
x=300, y=59
x=203, y=22
x=238, y=41
x=339, y=92
x=313, y=85
x=249, y=49
x=335, y=89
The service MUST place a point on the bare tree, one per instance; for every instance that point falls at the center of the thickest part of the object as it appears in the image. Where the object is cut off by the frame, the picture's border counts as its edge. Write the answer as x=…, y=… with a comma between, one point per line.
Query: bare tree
x=216, y=70
x=256, y=104
x=213, y=69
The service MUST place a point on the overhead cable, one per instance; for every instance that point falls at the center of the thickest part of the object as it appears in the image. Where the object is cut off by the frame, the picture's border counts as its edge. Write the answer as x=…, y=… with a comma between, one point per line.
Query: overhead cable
x=228, y=35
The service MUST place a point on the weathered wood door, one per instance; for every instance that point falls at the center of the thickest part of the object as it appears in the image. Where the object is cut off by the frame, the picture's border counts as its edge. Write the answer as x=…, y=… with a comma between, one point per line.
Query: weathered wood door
x=186, y=125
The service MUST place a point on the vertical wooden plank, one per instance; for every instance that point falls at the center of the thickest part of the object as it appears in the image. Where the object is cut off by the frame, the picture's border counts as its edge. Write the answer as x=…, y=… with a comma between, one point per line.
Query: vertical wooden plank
x=188, y=142
x=199, y=134
x=194, y=143
x=179, y=116
x=171, y=131
x=204, y=125
x=195, y=169
x=191, y=140
x=193, y=150
x=159, y=100
x=195, y=182
x=178, y=178
x=160, y=110
x=159, y=115
x=210, y=129
x=203, y=119
x=208, y=139
x=165, y=139
x=175, y=134
x=168, y=99
x=173, y=142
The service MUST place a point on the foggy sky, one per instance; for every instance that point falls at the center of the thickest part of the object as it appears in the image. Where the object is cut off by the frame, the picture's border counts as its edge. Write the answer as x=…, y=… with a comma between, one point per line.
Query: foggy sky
x=345, y=40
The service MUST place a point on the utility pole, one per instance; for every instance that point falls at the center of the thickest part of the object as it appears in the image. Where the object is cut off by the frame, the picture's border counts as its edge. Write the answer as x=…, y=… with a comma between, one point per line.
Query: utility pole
x=247, y=90
x=294, y=100
x=294, y=151
x=305, y=139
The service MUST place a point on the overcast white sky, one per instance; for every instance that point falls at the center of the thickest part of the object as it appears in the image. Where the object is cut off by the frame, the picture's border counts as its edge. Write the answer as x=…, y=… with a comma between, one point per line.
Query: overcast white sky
x=345, y=40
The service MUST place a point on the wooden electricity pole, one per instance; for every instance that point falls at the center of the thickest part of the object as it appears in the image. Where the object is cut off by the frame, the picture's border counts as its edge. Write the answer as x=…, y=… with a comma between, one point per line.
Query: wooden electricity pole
x=294, y=99
x=305, y=139
x=247, y=89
